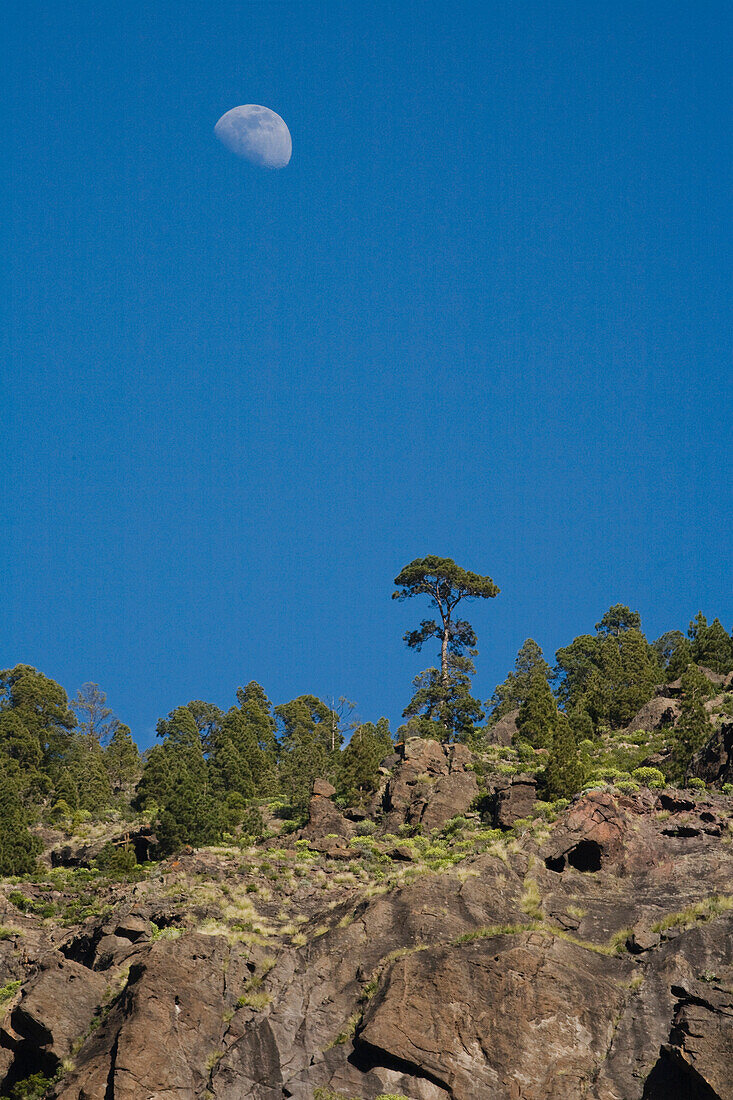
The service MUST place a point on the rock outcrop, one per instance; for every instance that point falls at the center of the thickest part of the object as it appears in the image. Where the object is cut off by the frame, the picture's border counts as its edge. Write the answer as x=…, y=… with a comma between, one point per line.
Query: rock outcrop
x=658, y=713
x=431, y=783
x=503, y=731
x=714, y=761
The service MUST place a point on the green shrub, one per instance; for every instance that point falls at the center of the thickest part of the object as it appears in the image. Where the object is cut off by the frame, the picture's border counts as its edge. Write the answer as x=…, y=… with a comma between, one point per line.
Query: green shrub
x=696, y=784
x=628, y=786
x=649, y=777
x=116, y=861
x=7, y=992
x=34, y=1087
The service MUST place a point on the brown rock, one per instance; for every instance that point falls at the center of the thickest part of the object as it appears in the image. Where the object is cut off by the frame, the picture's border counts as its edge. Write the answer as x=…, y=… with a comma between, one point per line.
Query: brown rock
x=160, y=1036
x=514, y=800
x=642, y=940
x=658, y=713
x=133, y=928
x=504, y=731
x=57, y=1006
x=430, y=784
x=479, y=1017
x=323, y=789
x=323, y=819
x=599, y=830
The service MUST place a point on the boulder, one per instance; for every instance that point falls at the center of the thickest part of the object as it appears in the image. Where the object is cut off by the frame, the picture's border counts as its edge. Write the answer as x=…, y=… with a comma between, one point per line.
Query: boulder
x=599, y=830
x=660, y=712
x=57, y=1006
x=323, y=789
x=513, y=799
x=325, y=819
x=133, y=927
x=503, y=731
x=431, y=783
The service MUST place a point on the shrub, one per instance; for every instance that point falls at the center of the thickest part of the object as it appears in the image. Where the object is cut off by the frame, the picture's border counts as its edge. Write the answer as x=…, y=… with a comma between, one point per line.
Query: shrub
x=117, y=862
x=7, y=992
x=34, y=1087
x=696, y=783
x=649, y=777
x=628, y=786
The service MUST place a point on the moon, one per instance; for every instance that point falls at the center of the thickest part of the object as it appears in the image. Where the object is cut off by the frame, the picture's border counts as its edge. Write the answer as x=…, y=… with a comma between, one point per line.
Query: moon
x=257, y=134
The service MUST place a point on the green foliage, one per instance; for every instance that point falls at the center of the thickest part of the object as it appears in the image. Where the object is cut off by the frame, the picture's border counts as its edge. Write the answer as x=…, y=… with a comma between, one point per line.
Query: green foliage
x=649, y=777
x=34, y=1087
x=116, y=861
x=673, y=652
x=564, y=774
x=538, y=713
x=510, y=694
x=122, y=760
x=358, y=772
x=693, y=725
x=442, y=695
x=8, y=991
x=442, y=707
x=310, y=743
x=19, y=849
x=609, y=675
x=710, y=645
x=176, y=780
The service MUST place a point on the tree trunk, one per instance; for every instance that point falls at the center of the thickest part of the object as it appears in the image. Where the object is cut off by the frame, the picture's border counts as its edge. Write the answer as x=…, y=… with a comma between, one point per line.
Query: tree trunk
x=445, y=678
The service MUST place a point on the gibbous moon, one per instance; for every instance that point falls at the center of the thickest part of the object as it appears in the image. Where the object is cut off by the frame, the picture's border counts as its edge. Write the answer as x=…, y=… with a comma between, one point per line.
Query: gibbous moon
x=257, y=134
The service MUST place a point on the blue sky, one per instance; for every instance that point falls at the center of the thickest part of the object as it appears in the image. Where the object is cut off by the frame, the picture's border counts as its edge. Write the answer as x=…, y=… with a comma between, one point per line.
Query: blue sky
x=484, y=313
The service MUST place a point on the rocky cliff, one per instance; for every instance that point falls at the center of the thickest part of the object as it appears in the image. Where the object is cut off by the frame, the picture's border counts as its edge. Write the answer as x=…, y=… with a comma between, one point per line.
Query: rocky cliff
x=430, y=956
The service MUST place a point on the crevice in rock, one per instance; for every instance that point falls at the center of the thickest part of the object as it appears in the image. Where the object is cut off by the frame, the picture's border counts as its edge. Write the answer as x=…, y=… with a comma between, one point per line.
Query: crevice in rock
x=367, y=1058
x=109, y=1092
x=672, y=1079
x=555, y=863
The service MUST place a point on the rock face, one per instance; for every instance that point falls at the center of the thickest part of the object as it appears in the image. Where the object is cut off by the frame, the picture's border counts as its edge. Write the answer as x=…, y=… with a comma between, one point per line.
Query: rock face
x=513, y=799
x=430, y=784
x=504, y=731
x=441, y=1011
x=658, y=713
x=593, y=963
x=714, y=762
x=324, y=819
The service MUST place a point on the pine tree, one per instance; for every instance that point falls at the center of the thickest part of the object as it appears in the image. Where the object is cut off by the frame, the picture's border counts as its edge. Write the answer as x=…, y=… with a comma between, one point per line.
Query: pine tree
x=444, y=710
x=359, y=765
x=538, y=713
x=674, y=653
x=446, y=585
x=693, y=726
x=176, y=781
x=510, y=694
x=18, y=847
x=122, y=760
x=563, y=775
x=609, y=675
x=711, y=646
x=309, y=748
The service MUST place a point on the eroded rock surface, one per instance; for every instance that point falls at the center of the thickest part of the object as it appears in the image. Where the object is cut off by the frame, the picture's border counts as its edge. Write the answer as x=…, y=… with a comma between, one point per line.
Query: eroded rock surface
x=593, y=962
